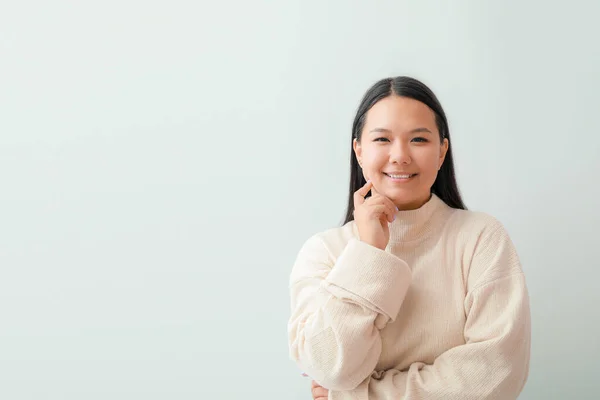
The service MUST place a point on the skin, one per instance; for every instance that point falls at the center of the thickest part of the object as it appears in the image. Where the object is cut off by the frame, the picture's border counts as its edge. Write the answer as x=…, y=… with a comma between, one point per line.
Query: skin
x=400, y=136
x=319, y=392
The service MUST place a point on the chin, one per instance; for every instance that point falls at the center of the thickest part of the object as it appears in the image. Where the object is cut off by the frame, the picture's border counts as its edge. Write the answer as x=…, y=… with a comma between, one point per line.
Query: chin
x=408, y=199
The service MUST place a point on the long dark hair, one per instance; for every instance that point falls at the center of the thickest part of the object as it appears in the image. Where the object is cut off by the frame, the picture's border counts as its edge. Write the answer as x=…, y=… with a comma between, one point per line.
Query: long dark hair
x=445, y=186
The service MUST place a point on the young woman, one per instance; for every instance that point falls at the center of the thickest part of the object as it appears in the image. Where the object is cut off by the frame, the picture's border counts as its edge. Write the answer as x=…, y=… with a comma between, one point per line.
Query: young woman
x=414, y=297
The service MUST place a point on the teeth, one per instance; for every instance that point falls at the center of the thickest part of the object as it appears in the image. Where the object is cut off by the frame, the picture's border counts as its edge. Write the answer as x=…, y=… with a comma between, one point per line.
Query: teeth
x=399, y=176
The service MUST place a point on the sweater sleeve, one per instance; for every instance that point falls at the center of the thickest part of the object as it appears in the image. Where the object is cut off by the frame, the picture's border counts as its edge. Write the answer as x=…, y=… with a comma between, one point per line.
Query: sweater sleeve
x=338, y=308
x=494, y=361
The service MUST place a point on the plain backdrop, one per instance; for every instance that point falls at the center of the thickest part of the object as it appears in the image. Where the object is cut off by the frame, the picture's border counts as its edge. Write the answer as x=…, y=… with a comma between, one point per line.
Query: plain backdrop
x=162, y=162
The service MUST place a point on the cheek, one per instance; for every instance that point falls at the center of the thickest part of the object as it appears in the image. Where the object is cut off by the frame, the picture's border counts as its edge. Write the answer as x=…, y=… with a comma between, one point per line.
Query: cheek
x=429, y=164
x=431, y=159
x=372, y=171
x=374, y=158
x=367, y=159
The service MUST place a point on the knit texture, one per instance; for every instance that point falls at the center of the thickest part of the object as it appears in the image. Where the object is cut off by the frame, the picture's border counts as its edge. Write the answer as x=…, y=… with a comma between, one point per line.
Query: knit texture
x=442, y=313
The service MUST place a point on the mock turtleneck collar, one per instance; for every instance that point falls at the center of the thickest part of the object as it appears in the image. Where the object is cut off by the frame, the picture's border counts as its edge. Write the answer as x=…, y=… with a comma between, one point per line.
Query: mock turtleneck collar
x=415, y=224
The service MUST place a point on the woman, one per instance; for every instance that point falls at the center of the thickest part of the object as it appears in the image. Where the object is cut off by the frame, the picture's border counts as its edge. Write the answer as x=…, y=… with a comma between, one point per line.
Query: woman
x=414, y=297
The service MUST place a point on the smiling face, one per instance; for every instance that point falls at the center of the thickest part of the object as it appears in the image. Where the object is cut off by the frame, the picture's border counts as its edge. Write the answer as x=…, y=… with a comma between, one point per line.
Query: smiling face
x=400, y=150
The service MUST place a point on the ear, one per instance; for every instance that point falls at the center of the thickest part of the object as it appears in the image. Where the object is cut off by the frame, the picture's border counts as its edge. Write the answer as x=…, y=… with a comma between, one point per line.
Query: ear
x=443, y=151
x=357, y=149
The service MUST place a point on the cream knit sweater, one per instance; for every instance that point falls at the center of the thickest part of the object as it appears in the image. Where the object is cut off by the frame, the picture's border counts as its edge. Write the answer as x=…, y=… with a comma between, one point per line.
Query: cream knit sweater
x=442, y=313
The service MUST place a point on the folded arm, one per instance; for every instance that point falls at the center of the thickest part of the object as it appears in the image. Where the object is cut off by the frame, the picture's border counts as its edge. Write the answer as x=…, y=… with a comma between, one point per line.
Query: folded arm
x=493, y=364
x=494, y=361
x=338, y=308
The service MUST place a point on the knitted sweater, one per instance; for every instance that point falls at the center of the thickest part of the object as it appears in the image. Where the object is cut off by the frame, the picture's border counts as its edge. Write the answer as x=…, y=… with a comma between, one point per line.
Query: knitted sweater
x=442, y=313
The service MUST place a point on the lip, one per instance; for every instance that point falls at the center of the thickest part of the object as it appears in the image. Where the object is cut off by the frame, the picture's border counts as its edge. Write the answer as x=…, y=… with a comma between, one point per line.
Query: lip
x=398, y=173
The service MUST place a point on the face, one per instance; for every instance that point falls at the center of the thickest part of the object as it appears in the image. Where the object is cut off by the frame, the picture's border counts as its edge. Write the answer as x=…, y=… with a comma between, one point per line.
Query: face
x=400, y=150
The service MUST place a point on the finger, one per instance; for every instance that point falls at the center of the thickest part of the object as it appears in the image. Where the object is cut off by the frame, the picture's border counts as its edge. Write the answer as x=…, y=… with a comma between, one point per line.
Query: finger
x=359, y=195
x=392, y=210
x=375, y=192
x=314, y=384
x=382, y=211
x=387, y=199
x=319, y=392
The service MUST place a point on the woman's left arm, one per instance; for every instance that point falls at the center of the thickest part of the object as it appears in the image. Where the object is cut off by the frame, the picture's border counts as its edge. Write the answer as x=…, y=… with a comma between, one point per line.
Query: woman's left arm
x=494, y=361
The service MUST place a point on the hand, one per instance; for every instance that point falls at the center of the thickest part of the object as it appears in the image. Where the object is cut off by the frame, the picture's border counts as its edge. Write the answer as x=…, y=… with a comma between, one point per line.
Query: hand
x=373, y=215
x=319, y=392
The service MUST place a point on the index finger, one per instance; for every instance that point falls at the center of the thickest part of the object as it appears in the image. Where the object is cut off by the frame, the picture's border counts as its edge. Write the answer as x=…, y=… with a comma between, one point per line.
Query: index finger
x=386, y=199
x=362, y=192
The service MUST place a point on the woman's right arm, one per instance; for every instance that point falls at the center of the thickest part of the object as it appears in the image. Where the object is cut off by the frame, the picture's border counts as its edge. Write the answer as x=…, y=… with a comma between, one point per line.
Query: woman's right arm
x=338, y=307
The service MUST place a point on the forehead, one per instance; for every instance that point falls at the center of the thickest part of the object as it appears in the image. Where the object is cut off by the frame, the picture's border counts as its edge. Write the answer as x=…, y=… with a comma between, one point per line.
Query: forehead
x=400, y=113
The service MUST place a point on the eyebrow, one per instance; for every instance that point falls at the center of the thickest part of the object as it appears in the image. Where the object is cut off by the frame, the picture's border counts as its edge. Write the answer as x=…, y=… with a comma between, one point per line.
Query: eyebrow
x=416, y=130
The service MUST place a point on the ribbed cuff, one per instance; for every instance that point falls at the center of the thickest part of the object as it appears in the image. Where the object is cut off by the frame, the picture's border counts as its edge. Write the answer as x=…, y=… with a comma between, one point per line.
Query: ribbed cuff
x=379, y=277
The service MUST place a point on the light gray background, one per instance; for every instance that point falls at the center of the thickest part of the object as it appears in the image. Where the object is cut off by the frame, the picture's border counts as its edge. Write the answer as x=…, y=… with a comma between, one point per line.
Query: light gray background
x=162, y=162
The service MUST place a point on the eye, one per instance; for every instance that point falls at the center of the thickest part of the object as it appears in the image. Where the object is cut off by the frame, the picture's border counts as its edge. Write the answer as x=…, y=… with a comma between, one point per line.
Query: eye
x=420, y=140
x=381, y=139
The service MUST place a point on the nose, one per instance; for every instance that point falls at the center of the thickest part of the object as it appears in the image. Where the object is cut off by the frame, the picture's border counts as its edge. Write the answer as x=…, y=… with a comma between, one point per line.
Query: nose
x=400, y=153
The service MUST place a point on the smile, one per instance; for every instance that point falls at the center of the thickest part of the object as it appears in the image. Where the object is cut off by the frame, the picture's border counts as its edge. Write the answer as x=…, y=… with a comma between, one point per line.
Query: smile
x=400, y=177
